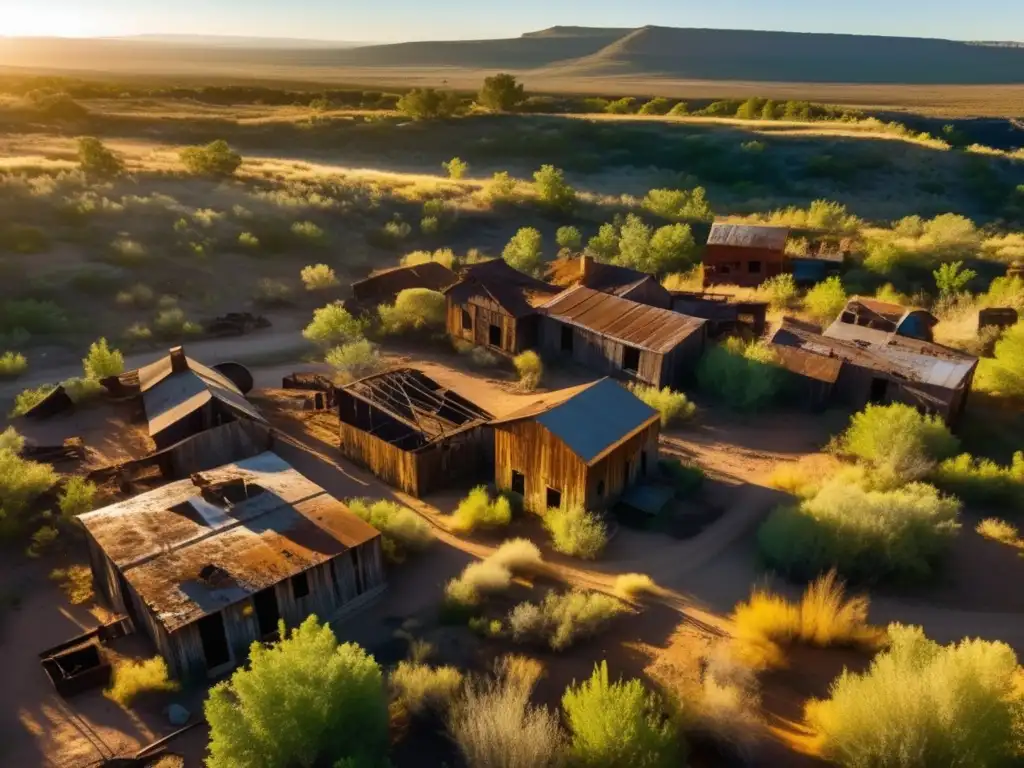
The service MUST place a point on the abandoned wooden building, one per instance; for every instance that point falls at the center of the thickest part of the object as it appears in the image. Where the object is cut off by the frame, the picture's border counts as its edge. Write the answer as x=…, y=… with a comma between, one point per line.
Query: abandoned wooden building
x=744, y=254
x=208, y=565
x=494, y=306
x=887, y=368
x=382, y=286
x=882, y=316
x=621, y=337
x=725, y=314
x=413, y=433
x=619, y=281
x=580, y=446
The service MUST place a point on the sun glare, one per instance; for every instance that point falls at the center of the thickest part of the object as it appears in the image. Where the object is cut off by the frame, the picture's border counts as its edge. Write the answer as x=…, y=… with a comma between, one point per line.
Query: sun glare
x=36, y=20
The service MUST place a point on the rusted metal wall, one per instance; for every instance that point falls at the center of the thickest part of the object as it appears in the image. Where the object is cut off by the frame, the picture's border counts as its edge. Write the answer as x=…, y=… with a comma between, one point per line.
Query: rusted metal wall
x=484, y=313
x=546, y=462
x=719, y=258
x=599, y=353
x=392, y=465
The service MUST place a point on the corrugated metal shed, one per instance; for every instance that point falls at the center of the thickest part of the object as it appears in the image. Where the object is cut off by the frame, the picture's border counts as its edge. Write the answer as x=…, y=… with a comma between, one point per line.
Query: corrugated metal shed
x=638, y=325
x=168, y=542
x=591, y=419
x=748, y=236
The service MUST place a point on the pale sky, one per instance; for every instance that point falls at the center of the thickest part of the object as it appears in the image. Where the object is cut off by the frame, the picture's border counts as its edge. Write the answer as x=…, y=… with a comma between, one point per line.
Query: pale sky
x=397, y=20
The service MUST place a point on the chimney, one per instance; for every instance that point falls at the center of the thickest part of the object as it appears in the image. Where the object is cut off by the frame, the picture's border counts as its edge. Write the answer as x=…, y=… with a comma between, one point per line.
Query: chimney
x=179, y=363
x=586, y=266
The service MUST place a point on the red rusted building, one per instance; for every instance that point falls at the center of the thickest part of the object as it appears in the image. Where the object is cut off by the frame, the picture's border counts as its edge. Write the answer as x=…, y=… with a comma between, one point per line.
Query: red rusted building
x=744, y=254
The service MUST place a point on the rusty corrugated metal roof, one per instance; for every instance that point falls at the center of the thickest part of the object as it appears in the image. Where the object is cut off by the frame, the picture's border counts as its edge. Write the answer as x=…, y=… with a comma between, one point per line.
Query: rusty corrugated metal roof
x=893, y=313
x=748, y=235
x=163, y=539
x=638, y=325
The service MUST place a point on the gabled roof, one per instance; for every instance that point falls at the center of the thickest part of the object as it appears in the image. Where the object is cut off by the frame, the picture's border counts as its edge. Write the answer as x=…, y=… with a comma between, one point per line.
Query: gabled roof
x=389, y=282
x=515, y=292
x=608, y=278
x=638, y=325
x=165, y=541
x=592, y=419
x=887, y=311
x=748, y=235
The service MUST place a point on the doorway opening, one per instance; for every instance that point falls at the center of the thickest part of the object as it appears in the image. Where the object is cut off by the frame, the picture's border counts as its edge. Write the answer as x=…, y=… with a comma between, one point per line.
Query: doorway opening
x=267, y=613
x=215, y=641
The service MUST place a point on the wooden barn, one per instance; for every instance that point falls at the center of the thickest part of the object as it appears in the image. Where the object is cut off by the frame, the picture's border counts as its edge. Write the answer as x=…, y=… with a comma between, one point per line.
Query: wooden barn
x=413, y=433
x=622, y=338
x=208, y=565
x=494, y=306
x=382, y=286
x=876, y=367
x=744, y=254
x=580, y=446
x=883, y=316
x=619, y=281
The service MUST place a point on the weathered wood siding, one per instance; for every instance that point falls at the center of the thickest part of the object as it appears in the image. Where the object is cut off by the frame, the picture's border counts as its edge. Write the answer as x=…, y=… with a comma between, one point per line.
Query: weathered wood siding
x=227, y=443
x=730, y=265
x=391, y=464
x=546, y=462
x=484, y=313
x=599, y=353
x=650, y=292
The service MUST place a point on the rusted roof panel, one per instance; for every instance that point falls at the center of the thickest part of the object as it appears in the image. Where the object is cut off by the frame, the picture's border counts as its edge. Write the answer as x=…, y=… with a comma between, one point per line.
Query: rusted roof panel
x=163, y=539
x=748, y=236
x=638, y=325
x=810, y=363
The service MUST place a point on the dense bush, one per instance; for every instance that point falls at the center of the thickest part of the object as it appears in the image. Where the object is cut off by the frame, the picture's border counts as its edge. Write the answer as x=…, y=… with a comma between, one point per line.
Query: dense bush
x=326, y=701
x=214, y=159
x=604, y=246
x=402, y=529
x=552, y=189
x=333, y=325
x=982, y=481
x=501, y=189
x=102, y=361
x=999, y=530
x=518, y=555
x=780, y=292
x=576, y=532
x=865, y=535
x=679, y=204
x=273, y=293
x=22, y=482
x=673, y=406
x=623, y=106
x=656, y=106
x=501, y=93
x=629, y=585
x=569, y=238
x=825, y=301
x=898, y=441
x=921, y=703
x=456, y=168
x=355, y=359
x=1005, y=373
x=130, y=679
x=28, y=399
x=746, y=376
x=657, y=252
x=97, y=160
x=477, y=510
x=562, y=619
x=419, y=688
x=11, y=441
x=445, y=256
x=428, y=104
x=618, y=724
x=524, y=251
x=12, y=365
x=415, y=309
x=77, y=497
x=31, y=316
x=477, y=581
x=318, y=277
x=530, y=369
x=685, y=478
x=172, y=324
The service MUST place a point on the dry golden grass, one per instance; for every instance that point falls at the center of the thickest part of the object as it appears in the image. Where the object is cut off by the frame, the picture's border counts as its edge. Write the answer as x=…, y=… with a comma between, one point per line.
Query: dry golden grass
x=134, y=678
x=629, y=585
x=804, y=477
x=1001, y=531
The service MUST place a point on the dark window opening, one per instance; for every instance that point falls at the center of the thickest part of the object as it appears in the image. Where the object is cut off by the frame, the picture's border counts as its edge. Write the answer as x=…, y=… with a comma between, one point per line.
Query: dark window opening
x=723, y=269
x=267, y=614
x=848, y=317
x=600, y=487
x=467, y=320
x=300, y=585
x=214, y=640
x=625, y=474
x=494, y=336
x=631, y=359
x=879, y=389
x=754, y=267
x=567, y=335
x=357, y=566
x=518, y=483
x=554, y=499
x=229, y=492
x=643, y=463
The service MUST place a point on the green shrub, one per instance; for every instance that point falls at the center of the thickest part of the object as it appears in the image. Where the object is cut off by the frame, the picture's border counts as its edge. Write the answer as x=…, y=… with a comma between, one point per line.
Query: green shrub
x=456, y=168
x=172, y=324
x=680, y=110
x=562, y=619
x=96, y=160
x=19, y=238
x=780, y=291
x=82, y=389
x=674, y=407
x=139, y=295
x=11, y=441
x=318, y=277
x=327, y=702
x=477, y=510
x=951, y=278
x=552, y=189
x=249, y=240
x=569, y=237
x=415, y=309
x=629, y=585
x=524, y=251
x=28, y=399
x=518, y=555
x=419, y=688
x=679, y=204
x=406, y=530
x=576, y=532
x=826, y=300
x=428, y=104
x=102, y=361
x=273, y=293
x=430, y=225
x=308, y=232
x=501, y=93
x=898, y=441
x=42, y=541
x=921, y=703
x=981, y=481
x=999, y=530
x=12, y=365
x=477, y=581
x=866, y=535
x=656, y=106
x=137, y=332
x=77, y=498
x=657, y=252
x=355, y=360
x=618, y=724
x=604, y=246
x=126, y=251
x=501, y=189
x=130, y=679
x=213, y=159
x=746, y=376
x=530, y=369
x=623, y=106
x=32, y=316
x=445, y=256
x=1006, y=371
x=333, y=325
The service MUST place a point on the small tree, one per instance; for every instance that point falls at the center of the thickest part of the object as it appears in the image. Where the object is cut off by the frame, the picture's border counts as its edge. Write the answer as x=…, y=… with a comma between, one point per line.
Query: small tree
x=355, y=359
x=523, y=251
x=826, y=300
x=501, y=93
x=96, y=160
x=951, y=278
x=604, y=246
x=428, y=104
x=502, y=188
x=333, y=325
x=456, y=168
x=102, y=361
x=318, y=277
x=621, y=106
x=618, y=724
x=326, y=703
x=530, y=369
x=552, y=189
x=569, y=237
x=672, y=249
x=657, y=106
x=214, y=159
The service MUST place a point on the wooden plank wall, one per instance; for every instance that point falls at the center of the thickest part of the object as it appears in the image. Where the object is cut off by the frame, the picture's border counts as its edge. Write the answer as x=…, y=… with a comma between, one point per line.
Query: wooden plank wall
x=611, y=470
x=463, y=457
x=599, y=353
x=392, y=465
x=236, y=440
x=544, y=460
x=484, y=313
